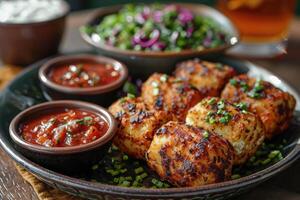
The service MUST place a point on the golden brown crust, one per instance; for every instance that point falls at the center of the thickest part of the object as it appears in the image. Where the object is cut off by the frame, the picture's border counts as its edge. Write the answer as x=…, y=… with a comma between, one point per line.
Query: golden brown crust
x=189, y=156
x=165, y=93
x=209, y=78
x=244, y=130
x=137, y=125
x=274, y=106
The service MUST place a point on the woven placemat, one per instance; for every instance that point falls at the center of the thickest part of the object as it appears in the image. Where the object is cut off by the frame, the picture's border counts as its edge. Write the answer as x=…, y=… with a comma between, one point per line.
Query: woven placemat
x=43, y=191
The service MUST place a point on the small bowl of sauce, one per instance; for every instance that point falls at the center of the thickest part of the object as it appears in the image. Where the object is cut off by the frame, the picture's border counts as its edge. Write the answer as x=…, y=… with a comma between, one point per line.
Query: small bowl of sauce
x=64, y=128
x=83, y=77
x=63, y=133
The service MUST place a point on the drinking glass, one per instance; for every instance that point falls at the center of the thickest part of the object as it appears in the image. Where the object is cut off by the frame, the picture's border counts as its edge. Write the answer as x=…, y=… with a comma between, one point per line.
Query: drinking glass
x=263, y=25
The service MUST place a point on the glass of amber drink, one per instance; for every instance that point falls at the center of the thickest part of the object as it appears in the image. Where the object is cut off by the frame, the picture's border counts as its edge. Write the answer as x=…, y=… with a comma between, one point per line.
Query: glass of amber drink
x=263, y=25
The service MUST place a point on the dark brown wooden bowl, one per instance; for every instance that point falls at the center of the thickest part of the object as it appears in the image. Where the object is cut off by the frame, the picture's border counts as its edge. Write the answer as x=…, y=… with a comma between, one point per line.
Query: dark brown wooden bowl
x=141, y=63
x=25, y=43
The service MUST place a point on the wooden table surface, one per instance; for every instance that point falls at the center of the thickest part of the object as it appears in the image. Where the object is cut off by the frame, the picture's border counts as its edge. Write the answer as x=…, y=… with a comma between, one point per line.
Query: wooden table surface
x=284, y=186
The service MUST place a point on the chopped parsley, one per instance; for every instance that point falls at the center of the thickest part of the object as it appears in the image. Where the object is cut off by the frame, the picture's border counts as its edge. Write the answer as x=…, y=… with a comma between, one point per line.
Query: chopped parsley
x=244, y=86
x=205, y=134
x=240, y=83
x=154, y=84
x=131, y=96
x=233, y=82
x=243, y=107
x=164, y=78
x=159, y=184
x=219, y=66
x=221, y=105
x=223, y=116
x=211, y=101
x=266, y=155
x=156, y=91
x=225, y=119
x=235, y=176
x=123, y=100
x=118, y=168
x=139, y=170
x=210, y=118
x=85, y=121
x=257, y=90
x=130, y=88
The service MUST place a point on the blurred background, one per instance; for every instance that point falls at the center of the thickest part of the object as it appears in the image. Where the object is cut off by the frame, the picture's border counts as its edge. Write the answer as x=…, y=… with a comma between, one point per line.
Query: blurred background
x=88, y=4
x=264, y=25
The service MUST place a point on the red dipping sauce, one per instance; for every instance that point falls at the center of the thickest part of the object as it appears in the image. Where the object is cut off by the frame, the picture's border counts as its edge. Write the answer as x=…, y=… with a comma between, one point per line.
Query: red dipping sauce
x=64, y=128
x=84, y=75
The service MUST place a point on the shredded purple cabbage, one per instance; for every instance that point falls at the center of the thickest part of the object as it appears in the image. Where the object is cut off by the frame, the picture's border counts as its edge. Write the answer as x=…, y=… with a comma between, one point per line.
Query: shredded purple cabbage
x=139, y=39
x=185, y=16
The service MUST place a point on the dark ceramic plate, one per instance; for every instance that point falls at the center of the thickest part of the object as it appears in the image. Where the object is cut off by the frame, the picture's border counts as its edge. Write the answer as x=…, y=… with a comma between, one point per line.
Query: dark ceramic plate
x=25, y=91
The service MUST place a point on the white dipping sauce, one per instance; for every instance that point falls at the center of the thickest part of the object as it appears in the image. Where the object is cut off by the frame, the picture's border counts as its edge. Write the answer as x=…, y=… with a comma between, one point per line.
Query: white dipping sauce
x=27, y=11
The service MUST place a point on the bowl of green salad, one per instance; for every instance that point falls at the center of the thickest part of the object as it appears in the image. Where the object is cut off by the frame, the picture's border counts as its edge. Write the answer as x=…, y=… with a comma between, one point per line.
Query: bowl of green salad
x=153, y=37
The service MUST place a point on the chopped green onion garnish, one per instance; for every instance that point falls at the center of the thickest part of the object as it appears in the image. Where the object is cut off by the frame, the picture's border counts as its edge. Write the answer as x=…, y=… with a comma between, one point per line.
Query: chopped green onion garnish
x=122, y=100
x=130, y=88
x=235, y=176
x=155, y=91
x=115, y=148
x=113, y=172
x=257, y=90
x=233, y=82
x=125, y=157
x=128, y=178
x=252, y=159
x=94, y=167
x=266, y=161
x=144, y=175
x=244, y=86
x=125, y=184
x=139, y=170
x=219, y=66
x=211, y=101
x=131, y=96
x=273, y=154
x=205, y=134
x=225, y=119
x=135, y=184
x=164, y=78
x=154, y=84
x=211, y=120
x=242, y=106
x=221, y=104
